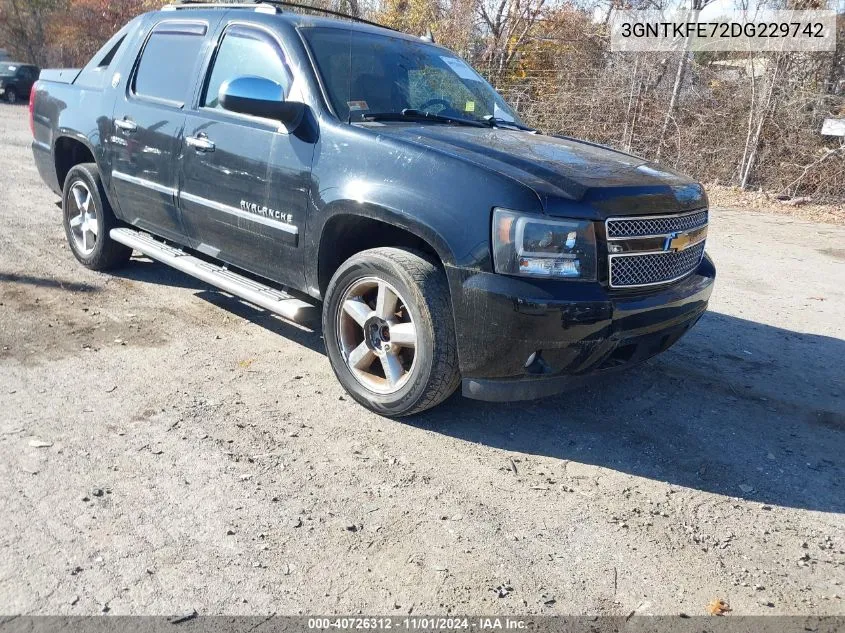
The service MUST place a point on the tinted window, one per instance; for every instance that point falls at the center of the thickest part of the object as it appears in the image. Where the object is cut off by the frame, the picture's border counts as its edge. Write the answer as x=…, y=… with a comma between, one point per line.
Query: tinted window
x=166, y=70
x=246, y=52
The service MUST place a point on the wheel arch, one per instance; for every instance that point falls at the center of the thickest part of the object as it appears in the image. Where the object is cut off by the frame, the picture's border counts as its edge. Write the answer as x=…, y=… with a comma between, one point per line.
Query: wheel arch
x=69, y=151
x=348, y=231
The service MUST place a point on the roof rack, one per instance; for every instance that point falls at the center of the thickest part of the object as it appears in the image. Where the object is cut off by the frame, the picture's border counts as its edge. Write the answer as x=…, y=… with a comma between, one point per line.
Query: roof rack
x=259, y=7
x=268, y=6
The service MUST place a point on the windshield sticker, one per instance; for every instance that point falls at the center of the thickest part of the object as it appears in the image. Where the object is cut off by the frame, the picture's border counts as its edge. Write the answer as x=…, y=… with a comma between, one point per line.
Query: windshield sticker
x=470, y=106
x=357, y=106
x=461, y=69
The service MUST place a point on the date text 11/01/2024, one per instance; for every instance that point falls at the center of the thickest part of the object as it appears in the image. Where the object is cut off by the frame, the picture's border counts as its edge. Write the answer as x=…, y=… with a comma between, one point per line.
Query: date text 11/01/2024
x=419, y=623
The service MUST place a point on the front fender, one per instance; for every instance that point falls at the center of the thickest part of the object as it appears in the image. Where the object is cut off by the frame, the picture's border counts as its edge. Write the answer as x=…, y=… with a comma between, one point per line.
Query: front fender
x=432, y=228
x=440, y=198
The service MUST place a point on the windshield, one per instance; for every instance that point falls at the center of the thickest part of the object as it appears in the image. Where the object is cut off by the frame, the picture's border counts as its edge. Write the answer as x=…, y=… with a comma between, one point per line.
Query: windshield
x=367, y=73
x=8, y=70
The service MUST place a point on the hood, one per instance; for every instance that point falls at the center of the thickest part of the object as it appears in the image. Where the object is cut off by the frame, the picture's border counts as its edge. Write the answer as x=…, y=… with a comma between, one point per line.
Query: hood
x=564, y=173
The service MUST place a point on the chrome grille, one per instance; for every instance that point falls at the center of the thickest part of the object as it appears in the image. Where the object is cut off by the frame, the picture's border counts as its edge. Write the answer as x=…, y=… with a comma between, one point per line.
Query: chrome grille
x=653, y=268
x=655, y=225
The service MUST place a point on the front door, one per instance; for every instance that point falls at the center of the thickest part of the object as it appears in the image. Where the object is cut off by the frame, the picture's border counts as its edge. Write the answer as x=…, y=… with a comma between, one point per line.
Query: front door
x=26, y=78
x=147, y=127
x=244, y=179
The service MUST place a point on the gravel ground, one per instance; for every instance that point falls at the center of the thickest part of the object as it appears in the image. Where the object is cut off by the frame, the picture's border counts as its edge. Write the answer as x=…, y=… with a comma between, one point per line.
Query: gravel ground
x=165, y=448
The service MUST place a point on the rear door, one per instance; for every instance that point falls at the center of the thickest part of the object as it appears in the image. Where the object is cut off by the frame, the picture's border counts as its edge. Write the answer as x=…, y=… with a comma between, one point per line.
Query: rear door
x=244, y=179
x=148, y=122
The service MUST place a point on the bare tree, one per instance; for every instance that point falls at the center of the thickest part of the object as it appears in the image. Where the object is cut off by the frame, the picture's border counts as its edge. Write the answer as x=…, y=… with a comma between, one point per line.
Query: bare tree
x=508, y=23
x=695, y=10
x=23, y=25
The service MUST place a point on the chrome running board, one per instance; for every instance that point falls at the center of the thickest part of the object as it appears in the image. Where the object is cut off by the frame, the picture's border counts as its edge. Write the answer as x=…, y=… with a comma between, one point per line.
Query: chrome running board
x=276, y=301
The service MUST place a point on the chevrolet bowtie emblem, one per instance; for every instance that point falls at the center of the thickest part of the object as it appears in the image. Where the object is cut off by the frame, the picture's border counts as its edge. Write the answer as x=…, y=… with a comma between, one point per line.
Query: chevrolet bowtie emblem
x=681, y=240
x=676, y=242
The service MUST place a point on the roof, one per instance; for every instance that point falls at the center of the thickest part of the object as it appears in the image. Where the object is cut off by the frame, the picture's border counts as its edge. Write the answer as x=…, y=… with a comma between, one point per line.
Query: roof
x=297, y=20
x=303, y=20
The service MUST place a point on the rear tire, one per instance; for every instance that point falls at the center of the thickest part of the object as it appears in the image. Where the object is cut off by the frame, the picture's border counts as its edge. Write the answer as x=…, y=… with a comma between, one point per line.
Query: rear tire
x=389, y=331
x=88, y=218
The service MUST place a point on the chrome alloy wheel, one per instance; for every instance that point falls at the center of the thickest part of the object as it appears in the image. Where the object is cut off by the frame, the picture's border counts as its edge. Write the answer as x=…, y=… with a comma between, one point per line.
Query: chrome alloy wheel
x=83, y=218
x=377, y=335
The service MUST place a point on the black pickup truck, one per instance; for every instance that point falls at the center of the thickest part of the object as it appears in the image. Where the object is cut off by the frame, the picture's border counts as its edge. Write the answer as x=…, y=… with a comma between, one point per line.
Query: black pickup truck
x=294, y=161
x=16, y=81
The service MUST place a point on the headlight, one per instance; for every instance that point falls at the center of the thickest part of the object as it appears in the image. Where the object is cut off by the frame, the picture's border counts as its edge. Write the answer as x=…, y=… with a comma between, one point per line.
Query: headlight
x=539, y=247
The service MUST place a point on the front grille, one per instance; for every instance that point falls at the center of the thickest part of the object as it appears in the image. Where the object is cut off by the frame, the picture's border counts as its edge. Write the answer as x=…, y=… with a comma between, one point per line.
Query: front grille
x=653, y=268
x=655, y=225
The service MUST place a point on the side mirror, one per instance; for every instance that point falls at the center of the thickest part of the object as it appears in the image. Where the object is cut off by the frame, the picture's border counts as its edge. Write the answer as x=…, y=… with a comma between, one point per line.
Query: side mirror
x=260, y=97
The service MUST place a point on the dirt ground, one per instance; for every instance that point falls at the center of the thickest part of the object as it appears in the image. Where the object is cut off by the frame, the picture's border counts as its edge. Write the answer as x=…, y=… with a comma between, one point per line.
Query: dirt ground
x=804, y=208
x=165, y=448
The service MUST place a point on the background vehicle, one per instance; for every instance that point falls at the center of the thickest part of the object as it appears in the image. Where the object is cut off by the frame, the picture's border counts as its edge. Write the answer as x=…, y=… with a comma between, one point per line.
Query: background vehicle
x=292, y=160
x=16, y=80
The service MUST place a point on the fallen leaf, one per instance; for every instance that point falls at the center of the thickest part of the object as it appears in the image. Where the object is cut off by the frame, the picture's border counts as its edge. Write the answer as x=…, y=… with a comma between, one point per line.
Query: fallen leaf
x=244, y=364
x=718, y=607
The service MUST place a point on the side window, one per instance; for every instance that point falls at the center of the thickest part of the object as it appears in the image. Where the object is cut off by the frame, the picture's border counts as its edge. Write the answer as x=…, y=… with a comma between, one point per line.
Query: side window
x=166, y=69
x=109, y=56
x=245, y=52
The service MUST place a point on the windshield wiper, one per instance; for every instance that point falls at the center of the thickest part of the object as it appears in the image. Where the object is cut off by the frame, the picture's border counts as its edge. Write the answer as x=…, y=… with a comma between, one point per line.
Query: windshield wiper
x=497, y=122
x=409, y=114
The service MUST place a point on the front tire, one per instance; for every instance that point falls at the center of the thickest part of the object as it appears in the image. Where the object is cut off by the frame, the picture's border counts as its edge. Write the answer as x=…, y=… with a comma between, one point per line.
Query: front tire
x=12, y=96
x=88, y=218
x=389, y=331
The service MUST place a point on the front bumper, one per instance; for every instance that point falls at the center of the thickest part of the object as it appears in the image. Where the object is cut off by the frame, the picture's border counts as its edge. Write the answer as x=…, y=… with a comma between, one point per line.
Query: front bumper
x=576, y=329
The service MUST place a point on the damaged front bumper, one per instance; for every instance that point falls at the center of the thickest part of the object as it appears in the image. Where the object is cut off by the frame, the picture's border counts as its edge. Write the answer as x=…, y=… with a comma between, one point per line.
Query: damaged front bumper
x=520, y=339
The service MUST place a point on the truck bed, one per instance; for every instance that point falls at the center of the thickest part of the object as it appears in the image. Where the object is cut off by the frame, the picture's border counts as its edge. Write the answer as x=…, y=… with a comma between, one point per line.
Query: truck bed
x=59, y=75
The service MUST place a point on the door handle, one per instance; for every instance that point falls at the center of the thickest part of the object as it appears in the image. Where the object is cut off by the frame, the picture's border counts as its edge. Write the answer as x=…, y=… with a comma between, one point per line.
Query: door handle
x=200, y=143
x=125, y=125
